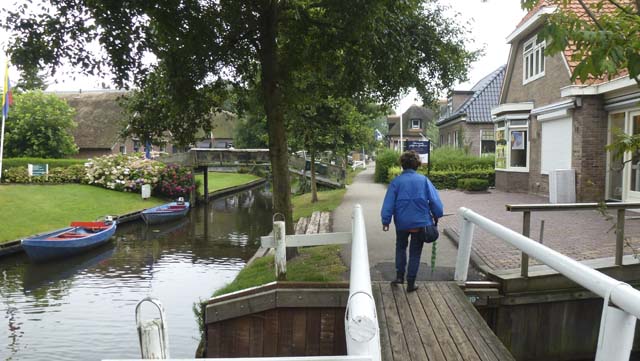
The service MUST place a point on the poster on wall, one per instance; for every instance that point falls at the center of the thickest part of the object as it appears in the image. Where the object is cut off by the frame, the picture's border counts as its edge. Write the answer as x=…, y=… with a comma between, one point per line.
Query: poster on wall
x=422, y=147
x=517, y=140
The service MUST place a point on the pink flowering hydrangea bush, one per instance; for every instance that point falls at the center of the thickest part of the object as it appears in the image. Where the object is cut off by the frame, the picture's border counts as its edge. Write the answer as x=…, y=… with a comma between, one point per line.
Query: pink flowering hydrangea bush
x=123, y=172
x=175, y=181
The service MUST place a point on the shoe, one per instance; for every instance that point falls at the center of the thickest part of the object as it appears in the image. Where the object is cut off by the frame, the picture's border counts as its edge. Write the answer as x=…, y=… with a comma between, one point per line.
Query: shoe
x=411, y=285
x=399, y=279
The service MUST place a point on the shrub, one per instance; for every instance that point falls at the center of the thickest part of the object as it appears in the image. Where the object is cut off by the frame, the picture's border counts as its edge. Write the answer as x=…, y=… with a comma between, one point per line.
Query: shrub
x=385, y=159
x=449, y=179
x=71, y=174
x=175, y=181
x=123, y=172
x=454, y=159
x=392, y=173
x=473, y=184
x=53, y=163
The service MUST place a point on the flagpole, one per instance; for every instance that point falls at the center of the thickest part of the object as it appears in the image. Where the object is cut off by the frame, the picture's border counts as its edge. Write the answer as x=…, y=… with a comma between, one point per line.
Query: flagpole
x=1, y=146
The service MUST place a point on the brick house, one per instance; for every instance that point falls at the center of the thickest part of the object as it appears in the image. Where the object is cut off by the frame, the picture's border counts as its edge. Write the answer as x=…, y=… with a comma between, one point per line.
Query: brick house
x=415, y=121
x=466, y=118
x=545, y=122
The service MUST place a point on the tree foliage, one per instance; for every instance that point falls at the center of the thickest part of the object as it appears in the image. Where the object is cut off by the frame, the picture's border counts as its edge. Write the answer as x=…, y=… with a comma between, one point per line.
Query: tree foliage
x=373, y=49
x=39, y=125
x=602, y=33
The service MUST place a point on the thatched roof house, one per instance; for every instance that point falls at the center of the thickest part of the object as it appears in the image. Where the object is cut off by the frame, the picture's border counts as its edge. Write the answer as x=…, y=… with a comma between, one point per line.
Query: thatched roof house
x=100, y=121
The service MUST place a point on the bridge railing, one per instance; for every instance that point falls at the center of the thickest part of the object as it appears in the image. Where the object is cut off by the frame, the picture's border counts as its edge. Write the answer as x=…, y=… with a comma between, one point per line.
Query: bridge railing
x=621, y=301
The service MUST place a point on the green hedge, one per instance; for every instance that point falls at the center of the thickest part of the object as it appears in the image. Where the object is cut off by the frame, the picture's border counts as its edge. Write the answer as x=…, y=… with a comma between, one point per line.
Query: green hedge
x=71, y=174
x=385, y=159
x=449, y=179
x=473, y=184
x=53, y=163
x=453, y=159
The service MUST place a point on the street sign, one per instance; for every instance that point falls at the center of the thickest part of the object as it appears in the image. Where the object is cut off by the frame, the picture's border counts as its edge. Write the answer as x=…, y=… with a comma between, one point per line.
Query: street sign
x=38, y=169
x=422, y=147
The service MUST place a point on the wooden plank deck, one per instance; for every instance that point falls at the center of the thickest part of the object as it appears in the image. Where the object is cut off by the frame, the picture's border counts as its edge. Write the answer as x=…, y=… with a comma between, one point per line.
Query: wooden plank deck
x=435, y=323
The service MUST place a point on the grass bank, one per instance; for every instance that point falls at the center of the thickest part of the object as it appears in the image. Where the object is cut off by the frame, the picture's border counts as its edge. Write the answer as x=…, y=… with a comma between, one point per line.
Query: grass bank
x=313, y=264
x=31, y=209
x=218, y=180
x=327, y=202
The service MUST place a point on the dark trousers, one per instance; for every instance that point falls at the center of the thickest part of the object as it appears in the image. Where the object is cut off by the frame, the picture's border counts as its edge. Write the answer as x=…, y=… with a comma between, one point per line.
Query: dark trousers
x=415, y=251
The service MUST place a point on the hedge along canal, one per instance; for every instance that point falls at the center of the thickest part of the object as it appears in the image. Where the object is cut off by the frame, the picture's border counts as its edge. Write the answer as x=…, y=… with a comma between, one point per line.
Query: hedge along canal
x=82, y=308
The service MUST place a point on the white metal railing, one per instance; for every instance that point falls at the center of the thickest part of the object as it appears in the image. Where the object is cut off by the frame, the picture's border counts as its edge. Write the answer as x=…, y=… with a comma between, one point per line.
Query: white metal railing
x=621, y=301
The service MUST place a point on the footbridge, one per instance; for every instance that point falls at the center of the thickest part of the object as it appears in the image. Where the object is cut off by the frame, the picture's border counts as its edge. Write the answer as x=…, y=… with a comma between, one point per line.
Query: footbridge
x=328, y=175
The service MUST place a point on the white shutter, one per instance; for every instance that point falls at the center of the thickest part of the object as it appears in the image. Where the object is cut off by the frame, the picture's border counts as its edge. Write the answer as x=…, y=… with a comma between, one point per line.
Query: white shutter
x=556, y=144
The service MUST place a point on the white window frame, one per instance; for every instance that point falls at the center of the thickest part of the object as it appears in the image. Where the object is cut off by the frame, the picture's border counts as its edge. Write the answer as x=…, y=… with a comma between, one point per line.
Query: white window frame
x=508, y=128
x=533, y=60
x=455, y=139
x=415, y=124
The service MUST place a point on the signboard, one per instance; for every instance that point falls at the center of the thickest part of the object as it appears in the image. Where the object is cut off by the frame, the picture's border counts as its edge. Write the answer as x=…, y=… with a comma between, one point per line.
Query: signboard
x=422, y=147
x=38, y=169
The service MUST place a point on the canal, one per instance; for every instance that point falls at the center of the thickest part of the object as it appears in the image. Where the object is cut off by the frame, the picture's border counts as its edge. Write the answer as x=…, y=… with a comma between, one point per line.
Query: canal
x=83, y=308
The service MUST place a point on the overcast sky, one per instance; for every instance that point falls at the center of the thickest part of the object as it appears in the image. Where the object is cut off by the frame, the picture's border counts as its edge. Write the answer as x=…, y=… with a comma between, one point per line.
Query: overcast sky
x=491, y=22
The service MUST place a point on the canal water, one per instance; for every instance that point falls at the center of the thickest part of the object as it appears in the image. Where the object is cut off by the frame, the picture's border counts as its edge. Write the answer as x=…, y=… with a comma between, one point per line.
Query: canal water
x=83, y=308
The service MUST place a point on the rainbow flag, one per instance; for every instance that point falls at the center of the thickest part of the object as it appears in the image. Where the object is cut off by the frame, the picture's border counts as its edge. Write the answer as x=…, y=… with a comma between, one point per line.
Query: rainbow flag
x=7, y=97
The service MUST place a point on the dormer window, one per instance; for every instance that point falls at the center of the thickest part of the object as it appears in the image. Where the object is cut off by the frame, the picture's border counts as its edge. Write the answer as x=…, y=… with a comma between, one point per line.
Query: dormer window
x=415, y=124
x=533, y=59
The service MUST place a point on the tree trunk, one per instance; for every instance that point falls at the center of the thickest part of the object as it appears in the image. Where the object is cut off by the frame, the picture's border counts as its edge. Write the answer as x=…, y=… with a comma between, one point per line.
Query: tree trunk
x=314, y=187
x=278, y=152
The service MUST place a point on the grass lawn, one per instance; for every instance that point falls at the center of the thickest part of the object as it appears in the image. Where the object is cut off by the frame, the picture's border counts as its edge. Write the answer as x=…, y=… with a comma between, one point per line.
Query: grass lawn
x=31, y=209
x=219, y=180
x=327, y=201
x=313, y=264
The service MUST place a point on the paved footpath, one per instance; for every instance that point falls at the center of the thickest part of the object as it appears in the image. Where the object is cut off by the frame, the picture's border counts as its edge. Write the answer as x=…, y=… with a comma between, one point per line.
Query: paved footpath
x=381, y=244
x=581, y=235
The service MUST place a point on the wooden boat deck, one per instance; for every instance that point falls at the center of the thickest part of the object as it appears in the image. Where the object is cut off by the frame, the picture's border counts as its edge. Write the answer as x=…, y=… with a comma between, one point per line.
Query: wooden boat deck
x=437, y=322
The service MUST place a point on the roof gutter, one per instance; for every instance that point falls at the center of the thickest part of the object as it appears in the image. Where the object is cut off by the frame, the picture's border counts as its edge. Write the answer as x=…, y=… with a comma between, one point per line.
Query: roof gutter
x=531, y=23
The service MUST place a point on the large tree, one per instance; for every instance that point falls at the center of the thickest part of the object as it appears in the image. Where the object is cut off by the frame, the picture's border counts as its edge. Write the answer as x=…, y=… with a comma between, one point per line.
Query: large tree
x=603, y=34
x=377, y=48
x=39, y=125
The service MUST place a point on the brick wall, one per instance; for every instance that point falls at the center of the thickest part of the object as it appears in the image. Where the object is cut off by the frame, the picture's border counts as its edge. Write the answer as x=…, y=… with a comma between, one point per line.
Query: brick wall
x=589, y=155
x=538, y=183
x=542, y=91
x=512, y=181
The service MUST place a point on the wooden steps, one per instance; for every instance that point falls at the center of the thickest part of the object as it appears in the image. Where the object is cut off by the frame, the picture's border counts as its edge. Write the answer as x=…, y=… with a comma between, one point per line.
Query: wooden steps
x=435, y=323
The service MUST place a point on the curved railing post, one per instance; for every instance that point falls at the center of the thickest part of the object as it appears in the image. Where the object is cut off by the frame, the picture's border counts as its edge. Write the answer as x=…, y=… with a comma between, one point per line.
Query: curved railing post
x=361, y=321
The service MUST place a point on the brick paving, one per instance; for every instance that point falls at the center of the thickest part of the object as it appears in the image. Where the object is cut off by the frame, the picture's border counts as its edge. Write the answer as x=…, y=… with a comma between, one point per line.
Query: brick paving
x=580, y=235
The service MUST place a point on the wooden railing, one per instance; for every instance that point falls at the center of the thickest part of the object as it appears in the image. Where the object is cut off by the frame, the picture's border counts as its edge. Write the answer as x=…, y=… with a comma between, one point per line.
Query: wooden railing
x=526, y=210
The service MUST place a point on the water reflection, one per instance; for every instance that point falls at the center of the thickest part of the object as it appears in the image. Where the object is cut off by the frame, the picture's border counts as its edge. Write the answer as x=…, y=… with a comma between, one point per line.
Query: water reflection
x=82, y=308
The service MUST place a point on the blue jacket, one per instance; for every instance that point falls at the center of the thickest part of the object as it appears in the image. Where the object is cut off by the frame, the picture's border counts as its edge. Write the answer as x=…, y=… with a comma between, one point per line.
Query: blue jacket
x=412, y=201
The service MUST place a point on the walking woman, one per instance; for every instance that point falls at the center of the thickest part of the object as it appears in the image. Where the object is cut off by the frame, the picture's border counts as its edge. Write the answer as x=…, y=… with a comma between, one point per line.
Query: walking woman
x=414, y=204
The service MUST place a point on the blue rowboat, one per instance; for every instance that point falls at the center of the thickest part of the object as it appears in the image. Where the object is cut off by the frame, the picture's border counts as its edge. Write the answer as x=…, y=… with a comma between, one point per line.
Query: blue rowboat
x=79, y=237
x=165, y=213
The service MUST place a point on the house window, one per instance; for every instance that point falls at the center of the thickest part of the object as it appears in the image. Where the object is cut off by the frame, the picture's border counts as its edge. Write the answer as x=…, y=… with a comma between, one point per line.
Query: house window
x=487, y=142
x=163, y=147
x=136, y=145
x=123, y=149
x=533, y=61
x=455, y=139
x=415, y=124
x=512, y=147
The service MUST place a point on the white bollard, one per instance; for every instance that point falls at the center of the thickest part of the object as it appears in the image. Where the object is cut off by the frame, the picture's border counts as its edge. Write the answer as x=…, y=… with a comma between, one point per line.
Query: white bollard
x=279, y=232
x=154, y=339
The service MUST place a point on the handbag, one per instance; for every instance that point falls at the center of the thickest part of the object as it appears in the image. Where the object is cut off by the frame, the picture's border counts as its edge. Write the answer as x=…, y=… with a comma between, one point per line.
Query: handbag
x=431, y=234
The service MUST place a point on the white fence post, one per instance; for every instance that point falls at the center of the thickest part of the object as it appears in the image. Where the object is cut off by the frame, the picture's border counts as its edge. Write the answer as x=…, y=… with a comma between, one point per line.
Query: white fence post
x=464, y=248
x=279, y=231
x=361, y=322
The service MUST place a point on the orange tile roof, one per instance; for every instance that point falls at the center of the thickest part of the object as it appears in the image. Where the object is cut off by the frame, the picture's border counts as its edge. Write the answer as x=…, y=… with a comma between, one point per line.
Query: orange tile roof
x=575, y=7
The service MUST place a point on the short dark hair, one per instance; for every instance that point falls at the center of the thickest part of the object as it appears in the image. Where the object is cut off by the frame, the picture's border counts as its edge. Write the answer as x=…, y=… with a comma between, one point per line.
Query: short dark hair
x=410, y=160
